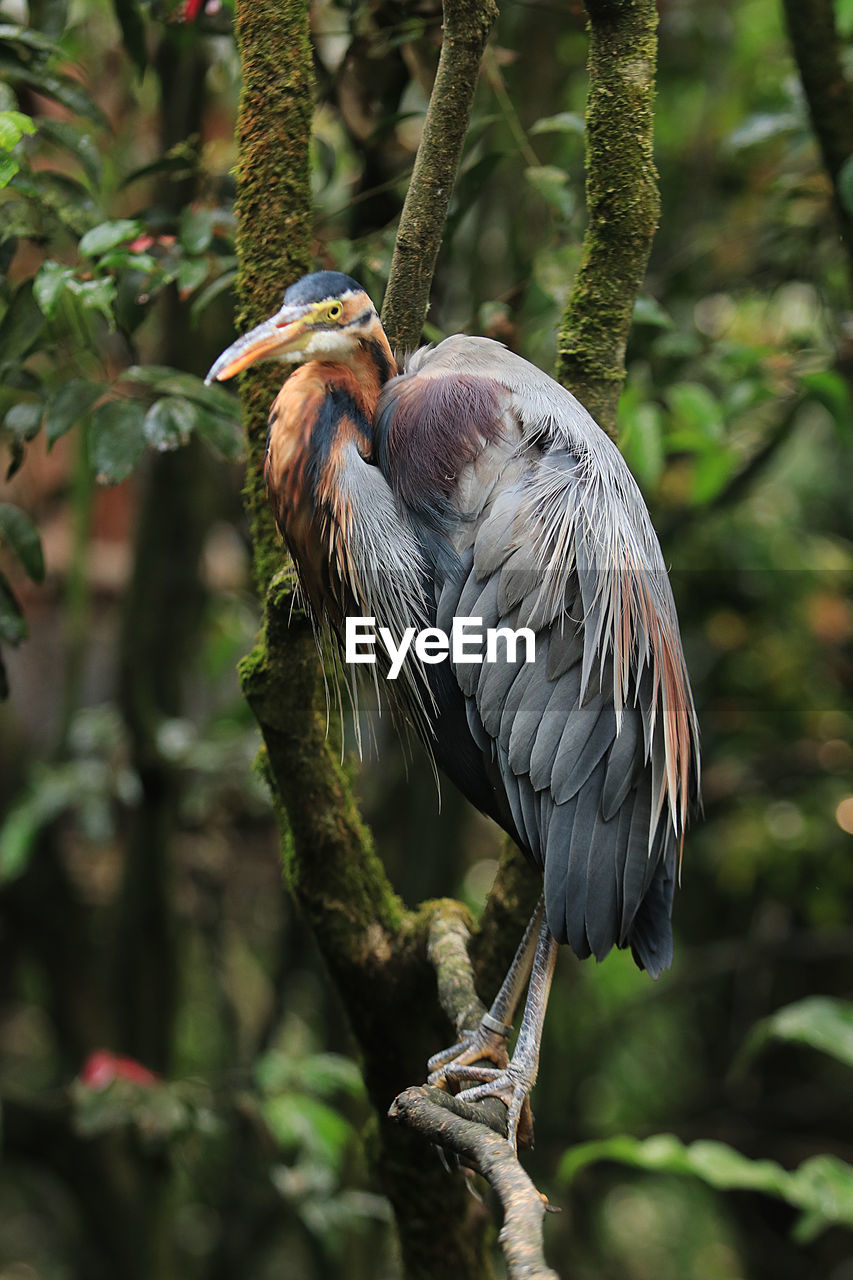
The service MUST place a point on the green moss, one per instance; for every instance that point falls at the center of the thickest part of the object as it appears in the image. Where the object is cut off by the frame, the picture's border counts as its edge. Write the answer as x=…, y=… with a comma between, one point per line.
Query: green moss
x=466, y=30
x=273, y=215
x=623, y=204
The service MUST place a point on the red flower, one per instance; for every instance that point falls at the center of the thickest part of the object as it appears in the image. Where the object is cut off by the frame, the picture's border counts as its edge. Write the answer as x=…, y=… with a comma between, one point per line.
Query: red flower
x=101, y=1068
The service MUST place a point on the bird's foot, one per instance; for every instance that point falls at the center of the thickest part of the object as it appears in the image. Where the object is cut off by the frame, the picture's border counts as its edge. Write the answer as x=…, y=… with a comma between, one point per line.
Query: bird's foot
x=481, y=1044
x=462, y=1071
x=511, y=1086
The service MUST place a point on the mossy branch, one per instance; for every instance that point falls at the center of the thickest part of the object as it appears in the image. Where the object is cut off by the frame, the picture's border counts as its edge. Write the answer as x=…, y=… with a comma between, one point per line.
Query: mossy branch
x=622, y=200
x=451, y=1124
x=467, y=24
x=273, y=210
x=817, y=48
x=281, y=677
x=375, y=950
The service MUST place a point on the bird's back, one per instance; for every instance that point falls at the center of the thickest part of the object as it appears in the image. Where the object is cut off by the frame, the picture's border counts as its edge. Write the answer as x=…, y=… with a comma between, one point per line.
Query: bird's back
x=528, y=517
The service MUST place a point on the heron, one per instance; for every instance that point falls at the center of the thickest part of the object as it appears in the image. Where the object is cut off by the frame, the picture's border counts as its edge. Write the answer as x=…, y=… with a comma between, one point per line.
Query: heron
x=465, y=483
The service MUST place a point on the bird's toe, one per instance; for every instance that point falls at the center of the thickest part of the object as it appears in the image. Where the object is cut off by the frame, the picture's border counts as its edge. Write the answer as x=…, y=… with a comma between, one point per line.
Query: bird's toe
x=477, y=1046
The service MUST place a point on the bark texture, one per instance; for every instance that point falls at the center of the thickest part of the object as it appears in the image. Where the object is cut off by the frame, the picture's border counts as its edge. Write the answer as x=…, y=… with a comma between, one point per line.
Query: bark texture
x=818, y=52
x=467, y=24
x=375, y=950
x=622, y=200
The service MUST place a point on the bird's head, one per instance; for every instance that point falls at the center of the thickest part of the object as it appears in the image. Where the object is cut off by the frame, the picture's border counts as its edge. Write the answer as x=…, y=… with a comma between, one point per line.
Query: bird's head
x=325, y=316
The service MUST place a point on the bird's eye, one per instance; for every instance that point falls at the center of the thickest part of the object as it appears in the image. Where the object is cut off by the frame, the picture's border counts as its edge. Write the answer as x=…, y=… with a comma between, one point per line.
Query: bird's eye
x=335, y=311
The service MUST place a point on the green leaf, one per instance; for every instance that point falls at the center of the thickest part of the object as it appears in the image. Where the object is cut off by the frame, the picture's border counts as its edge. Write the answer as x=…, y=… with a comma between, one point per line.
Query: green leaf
x=821, y=1022
x=96, y=295
x=19, y=533
x=322, y=1074
x=844, y=184
x=49, y=285
x=77, y=141
x=63, y=89
x=191, y=273
x=693, y=405
x=761, y=126
x=67, y=406
x=21, y=326
x=210, y=292
x=821, y=1188
x=8, y=169
x=28, y=37
x=195, y=230
x=116, y=440
x=649, y=311
x=17, y=841
x=23, y=420
x=169, y=423
x=132, y=24
x=641, y=439
x=174, y=382
x=13, y=626
x=168, y=381
x=552, y=183
x=50, y=16
x=109, y=234
x=833, y=392
x=562, y=122
x=49, y=794
x=224, y=435
x=711, y=471
x=301, y=1123
x=13, y=126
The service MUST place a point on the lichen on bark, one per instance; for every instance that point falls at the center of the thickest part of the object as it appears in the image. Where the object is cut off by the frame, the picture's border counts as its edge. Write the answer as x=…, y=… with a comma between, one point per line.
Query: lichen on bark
x=466, y=30
x=622, y=201
x=374, y=948
x=820, y=57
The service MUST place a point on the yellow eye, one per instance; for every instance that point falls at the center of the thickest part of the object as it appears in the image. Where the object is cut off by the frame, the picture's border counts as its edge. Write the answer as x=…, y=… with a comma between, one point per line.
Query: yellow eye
x=335, y=311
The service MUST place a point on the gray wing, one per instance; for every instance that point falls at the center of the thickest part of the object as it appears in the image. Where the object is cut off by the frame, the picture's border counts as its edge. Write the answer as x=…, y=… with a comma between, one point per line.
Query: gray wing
x=595, y=743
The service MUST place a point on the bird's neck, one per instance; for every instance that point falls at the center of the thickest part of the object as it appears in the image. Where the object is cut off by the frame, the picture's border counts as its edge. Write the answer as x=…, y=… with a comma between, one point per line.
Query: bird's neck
x=325, y=411
x=364, y=375
x=321, y=423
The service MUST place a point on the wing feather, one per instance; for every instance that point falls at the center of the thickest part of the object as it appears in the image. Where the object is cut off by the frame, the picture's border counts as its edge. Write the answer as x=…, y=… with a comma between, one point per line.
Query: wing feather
x=596, y=745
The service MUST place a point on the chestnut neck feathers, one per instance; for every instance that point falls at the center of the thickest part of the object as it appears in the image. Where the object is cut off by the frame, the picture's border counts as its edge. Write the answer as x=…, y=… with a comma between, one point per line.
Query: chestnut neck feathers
x=324, y=412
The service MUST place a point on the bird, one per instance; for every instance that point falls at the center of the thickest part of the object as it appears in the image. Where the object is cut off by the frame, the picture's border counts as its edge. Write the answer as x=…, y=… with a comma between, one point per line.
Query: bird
x=464, y=483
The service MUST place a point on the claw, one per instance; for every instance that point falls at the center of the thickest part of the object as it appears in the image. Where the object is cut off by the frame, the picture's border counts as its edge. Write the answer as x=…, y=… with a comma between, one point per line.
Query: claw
x=464, y=1065
x=513, y=1090
x=508, y=1080
x=474, y=1046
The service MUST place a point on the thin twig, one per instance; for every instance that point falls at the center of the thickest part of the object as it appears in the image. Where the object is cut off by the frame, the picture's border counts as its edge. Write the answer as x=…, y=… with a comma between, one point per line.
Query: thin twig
x=819, y=52
x=458, y=1128
x=466, y=30
x=447, y=951
x=623, y=202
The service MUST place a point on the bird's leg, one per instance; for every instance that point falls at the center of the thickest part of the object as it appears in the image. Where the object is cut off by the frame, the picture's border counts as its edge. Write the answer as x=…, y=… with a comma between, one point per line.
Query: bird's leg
x=488, y=1040
x=512, y=1083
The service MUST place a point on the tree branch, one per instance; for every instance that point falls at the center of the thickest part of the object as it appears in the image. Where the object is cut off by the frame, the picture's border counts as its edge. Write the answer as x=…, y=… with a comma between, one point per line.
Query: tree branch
x=817, y=49
x=623, y=203
x=447, y=951
x=456, y=1127
x=466, y=30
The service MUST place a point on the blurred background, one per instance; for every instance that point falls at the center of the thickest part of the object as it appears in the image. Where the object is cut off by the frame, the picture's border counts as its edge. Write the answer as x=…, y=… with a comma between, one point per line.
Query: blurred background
x=177, y=1095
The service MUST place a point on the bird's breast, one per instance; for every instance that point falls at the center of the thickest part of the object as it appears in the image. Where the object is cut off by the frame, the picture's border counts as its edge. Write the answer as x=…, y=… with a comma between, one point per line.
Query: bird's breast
x=319, y=431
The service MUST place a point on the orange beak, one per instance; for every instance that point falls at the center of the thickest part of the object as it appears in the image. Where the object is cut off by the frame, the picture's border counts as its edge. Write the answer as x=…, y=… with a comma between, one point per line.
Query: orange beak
x=281, y=337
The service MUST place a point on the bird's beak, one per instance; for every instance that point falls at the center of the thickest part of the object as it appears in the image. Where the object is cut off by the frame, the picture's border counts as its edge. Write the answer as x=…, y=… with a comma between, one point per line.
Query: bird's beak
x=282, y=336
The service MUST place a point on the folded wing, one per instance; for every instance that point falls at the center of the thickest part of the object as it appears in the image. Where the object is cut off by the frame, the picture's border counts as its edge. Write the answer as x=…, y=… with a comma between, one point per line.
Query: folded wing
x=530, y=518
